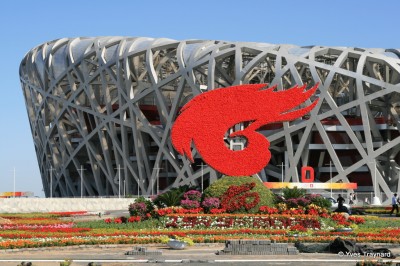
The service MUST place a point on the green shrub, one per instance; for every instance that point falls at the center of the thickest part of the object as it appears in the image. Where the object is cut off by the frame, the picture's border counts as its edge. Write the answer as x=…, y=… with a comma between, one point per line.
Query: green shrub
x=320, y=201
x=172, y=197
x=219, y=187
x=293, y=193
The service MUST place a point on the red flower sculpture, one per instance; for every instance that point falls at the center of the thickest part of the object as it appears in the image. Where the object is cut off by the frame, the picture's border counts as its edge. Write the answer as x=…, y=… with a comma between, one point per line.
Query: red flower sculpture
x=237, y=197
x=206, y=119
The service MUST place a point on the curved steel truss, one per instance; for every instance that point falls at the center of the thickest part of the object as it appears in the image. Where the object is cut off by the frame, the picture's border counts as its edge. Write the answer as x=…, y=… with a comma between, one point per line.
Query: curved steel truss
x=102, y=109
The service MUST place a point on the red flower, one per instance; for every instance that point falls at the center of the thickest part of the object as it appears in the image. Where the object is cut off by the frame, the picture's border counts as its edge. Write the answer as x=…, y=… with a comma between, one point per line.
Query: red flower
x=235, y=197
x=356, y=220
x=217, y=211
x=268, y=210
x=133, y=219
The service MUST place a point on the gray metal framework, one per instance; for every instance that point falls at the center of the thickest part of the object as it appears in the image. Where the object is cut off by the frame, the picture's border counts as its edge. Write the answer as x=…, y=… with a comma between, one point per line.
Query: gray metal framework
x=102, y=108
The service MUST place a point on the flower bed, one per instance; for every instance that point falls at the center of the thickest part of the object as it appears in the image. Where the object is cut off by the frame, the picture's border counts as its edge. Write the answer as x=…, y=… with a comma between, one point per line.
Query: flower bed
x=21, y=235
x=35, y=226
x=188, y=221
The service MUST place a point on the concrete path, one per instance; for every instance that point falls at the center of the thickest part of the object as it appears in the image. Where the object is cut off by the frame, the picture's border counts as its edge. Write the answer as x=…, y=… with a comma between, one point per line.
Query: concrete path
x=114, y=255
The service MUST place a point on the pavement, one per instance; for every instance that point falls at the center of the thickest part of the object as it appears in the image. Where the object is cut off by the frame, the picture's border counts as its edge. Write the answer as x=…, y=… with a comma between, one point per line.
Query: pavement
x=198, y=255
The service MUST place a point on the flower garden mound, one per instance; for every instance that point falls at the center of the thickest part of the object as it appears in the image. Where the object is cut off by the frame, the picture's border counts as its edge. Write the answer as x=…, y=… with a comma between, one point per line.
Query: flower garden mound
x=221, y=186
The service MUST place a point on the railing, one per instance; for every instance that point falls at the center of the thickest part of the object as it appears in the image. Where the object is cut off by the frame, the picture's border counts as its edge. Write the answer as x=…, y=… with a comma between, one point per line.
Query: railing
x=362, y=198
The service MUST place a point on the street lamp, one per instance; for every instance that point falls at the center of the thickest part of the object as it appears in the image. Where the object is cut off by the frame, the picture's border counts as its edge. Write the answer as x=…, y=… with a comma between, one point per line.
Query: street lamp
x=51, y=180
x=202, y=174
x=81, y=170
x=158, y=183
x=124, y=187
x=119, y=180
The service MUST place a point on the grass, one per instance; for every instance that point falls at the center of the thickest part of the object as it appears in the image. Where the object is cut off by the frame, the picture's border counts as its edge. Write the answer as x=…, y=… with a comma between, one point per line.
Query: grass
x=147, y=224
x=379, y=223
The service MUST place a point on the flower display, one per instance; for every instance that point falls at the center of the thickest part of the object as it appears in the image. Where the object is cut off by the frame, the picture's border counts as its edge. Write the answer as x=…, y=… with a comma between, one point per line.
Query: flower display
x=134, y=219
x=192, y=195
x=69, y=214
x=190, y=204
x=210, y=203
x=356, y=219
x=201, y=228
x=181, y=210
x=237, y=198
x=268, y=210
x=340, y=219
x=297, y=202
x=217, y=211
x=189, y=221
x=138, y=209
x=298, y=228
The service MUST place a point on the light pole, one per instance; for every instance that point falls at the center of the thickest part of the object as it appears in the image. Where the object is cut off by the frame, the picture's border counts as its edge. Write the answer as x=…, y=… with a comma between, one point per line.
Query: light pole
x=374, y=183
x=202, y=174
x=51, y=180
x=81, y=170
x=282, y=165
x=330, y=173
x=124, y=186
x=158, y=182
x=119, y=180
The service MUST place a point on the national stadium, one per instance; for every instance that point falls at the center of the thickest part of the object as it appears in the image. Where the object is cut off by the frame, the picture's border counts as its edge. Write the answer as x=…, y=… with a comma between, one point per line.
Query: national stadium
x=101, y=111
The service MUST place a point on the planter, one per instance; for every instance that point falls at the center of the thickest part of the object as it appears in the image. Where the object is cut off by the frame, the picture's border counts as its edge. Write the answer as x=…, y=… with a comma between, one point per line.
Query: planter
x=344, y=229
x=296, y=234
x=176, y=244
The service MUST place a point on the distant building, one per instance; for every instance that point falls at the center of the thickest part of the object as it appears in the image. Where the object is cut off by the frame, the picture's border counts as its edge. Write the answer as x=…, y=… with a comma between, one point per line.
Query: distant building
x=106, y=106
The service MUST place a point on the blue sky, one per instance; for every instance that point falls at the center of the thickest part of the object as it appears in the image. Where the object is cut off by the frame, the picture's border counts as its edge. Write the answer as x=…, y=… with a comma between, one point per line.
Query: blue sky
x=26, y=24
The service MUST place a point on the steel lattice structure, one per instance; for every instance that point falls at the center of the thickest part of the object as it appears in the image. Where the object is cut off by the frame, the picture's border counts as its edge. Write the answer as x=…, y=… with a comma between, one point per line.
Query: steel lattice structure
x=106, y=105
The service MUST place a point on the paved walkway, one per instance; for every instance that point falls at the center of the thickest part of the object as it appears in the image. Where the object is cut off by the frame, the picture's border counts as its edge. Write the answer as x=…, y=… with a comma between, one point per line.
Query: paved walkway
x=114, y=255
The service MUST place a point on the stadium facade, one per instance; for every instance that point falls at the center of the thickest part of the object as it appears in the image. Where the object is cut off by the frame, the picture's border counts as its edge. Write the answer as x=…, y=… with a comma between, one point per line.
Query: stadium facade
x=101, y=111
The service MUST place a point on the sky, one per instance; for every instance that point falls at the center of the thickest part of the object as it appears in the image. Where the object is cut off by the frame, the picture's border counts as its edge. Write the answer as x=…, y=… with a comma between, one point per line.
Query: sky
x=27, y=24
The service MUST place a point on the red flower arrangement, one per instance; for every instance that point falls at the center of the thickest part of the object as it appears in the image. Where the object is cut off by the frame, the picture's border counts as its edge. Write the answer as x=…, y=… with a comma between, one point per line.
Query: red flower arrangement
x=68, y=214
x=118, y=220
x=234, y=198
x=205, y=119
x=134, y=219
x=340, y=219
x=178, y=210
x=190, y=221
x=298, y=227
x=356, y=220
x=268, y=210
x=217, y=211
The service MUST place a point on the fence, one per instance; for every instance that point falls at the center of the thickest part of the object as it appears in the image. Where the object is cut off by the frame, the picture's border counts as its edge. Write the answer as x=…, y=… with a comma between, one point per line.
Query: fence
x=362, y=198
